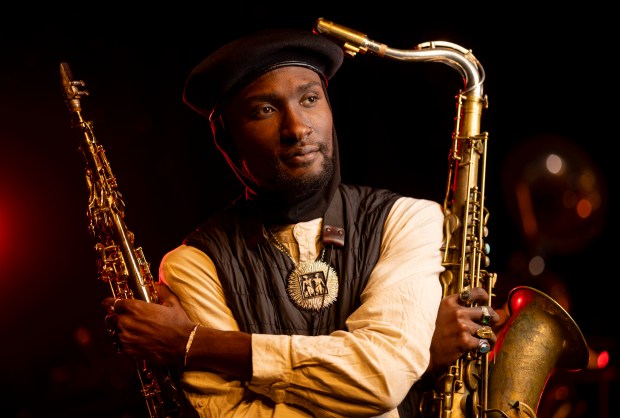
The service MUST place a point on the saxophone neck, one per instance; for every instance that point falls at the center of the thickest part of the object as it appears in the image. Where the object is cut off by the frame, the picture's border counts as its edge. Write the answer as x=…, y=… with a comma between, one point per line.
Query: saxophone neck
x=453, y=55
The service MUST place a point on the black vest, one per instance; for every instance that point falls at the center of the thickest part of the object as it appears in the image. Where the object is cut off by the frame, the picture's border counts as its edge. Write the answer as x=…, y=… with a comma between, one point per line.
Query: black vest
x=254, y=273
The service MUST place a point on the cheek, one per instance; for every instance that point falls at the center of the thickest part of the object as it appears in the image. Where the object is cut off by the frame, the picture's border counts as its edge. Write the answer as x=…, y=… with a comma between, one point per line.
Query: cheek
x=255, y=156
x=324, y=126
x=254, y=142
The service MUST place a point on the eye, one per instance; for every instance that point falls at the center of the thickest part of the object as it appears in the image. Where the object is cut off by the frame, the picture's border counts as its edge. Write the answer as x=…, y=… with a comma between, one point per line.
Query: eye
x=262, y=111
x=310, y=99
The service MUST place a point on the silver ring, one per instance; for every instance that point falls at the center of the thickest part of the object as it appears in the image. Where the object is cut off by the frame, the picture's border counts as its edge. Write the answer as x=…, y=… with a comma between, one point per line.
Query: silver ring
x=484, y=346
x=486, y=317
x=114, y=304
x=465, y=296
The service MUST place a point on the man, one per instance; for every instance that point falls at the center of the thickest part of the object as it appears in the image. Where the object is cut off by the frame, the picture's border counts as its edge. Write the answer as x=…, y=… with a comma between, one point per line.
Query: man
x=306, y=297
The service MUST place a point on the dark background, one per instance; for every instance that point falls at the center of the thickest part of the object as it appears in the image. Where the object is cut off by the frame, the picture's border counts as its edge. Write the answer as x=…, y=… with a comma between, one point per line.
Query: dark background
x=551, y=84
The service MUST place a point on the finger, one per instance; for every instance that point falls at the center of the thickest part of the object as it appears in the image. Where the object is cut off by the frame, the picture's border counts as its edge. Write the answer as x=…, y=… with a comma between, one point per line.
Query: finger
x=483, y=346
x=485, y=318
x=465, y=297
x=473, y=296
x=111, y=305
x=486, y=315
x=167, y=297
x=485, y=332
x=117, y=305
x=109, y=320
x=113, y=333
x=165, y=294
x=107, y=304
x=479, y=295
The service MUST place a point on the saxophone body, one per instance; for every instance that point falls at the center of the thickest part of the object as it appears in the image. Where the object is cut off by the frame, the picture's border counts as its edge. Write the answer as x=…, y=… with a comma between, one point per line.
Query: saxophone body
x=539, y=335
x=120, y=264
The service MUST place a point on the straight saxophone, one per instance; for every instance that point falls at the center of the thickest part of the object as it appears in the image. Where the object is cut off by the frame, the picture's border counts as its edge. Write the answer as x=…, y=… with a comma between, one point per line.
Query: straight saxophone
x=120, y=264
x=539, y=335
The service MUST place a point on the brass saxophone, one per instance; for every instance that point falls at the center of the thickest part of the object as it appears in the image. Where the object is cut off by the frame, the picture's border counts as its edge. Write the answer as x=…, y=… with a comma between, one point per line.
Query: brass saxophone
x=121, y=264
x=539, y=335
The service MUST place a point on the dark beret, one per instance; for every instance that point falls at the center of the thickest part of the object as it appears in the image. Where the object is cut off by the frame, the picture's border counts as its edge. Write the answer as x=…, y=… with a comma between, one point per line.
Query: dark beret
x=232, y=67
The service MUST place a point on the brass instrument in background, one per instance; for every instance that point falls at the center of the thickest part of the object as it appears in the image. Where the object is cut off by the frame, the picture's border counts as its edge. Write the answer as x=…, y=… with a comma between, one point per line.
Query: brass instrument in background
x=539, y=335
x=121, y=264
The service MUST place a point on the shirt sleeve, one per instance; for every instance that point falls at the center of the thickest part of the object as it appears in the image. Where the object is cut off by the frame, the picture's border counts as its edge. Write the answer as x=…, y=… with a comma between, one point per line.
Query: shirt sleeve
x=363, y=371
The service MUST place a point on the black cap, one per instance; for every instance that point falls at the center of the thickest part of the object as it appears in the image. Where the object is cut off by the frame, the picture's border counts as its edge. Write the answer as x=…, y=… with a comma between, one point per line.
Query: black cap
x=238, y=63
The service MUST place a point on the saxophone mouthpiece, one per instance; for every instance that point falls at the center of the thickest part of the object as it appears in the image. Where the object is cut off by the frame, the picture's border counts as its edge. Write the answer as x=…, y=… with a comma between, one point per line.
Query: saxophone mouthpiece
x=351, y=41
x=71, y=88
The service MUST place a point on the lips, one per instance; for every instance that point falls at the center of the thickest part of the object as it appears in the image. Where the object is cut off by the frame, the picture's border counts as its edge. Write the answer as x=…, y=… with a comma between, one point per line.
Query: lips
x=301, y=154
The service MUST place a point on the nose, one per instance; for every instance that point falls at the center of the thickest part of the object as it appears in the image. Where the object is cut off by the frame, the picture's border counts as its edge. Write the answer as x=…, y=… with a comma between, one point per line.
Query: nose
x=295, y=127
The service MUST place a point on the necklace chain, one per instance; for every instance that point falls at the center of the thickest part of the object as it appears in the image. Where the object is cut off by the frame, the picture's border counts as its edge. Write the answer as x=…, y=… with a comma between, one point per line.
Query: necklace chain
x=280, y=246
x=285, y=250
x=312, y=285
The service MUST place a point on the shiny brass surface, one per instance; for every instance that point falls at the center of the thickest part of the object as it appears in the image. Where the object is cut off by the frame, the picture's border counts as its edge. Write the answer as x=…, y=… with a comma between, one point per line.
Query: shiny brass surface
x=121, y=264
x=524, y=357
x=538, y=337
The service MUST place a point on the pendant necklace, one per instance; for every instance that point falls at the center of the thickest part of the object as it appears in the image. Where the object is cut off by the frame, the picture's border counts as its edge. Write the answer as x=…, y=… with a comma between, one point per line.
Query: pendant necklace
x=312, y=285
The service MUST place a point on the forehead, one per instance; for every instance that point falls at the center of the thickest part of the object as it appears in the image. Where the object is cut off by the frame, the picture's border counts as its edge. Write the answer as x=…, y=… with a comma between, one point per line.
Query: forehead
x=294, y=77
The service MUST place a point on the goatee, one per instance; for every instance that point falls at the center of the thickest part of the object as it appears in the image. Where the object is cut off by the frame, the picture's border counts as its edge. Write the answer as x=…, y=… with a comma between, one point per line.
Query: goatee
x=294, y=189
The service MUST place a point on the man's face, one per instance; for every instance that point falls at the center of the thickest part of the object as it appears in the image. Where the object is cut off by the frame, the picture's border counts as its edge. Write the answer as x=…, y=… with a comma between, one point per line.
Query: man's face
x=281, y=127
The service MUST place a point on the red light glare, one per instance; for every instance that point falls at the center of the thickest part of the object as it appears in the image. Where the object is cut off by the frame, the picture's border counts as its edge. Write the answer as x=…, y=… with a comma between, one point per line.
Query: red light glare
x=518, y=301
x=602, y=360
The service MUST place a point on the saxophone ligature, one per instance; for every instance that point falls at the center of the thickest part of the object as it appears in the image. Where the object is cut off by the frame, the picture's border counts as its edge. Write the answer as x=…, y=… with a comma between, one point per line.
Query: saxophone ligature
x=121, y=264
x=539, y=335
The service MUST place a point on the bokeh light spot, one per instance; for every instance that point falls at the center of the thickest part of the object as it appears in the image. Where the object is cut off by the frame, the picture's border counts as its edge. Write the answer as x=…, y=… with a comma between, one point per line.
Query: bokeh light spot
x=554, y=163
x=602, y=360
x=536, y=265
x=584, y=208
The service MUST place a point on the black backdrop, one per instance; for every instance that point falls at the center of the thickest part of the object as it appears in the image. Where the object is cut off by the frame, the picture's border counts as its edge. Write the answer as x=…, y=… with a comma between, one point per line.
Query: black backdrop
x=550, y=87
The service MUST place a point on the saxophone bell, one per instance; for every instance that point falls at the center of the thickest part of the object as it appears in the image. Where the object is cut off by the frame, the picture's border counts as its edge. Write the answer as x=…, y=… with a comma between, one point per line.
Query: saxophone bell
x=549, y=339
x=539, y=335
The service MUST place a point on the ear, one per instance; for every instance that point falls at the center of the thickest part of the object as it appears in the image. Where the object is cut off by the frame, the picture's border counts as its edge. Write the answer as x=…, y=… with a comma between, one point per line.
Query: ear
x=217, y=127
x=222, y=138
x=224, y=143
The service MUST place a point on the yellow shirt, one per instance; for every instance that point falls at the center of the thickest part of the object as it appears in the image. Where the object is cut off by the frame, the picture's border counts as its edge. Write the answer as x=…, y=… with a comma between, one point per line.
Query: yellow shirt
x=364, y=371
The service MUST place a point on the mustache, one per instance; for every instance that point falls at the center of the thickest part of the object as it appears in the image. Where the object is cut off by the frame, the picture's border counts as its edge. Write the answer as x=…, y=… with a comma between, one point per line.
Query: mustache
x=304, y=148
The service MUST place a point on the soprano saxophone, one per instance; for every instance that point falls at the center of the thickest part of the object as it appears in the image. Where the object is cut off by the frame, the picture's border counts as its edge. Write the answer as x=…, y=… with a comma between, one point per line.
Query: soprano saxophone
x=539, y=335
x=120, y=264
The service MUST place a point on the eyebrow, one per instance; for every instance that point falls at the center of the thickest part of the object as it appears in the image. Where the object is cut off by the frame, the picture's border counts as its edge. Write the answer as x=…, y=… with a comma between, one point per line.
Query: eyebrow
x=272, y=96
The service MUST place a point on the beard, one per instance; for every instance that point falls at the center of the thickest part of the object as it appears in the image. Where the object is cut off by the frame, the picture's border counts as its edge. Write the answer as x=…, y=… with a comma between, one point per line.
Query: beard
x=294, y=189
